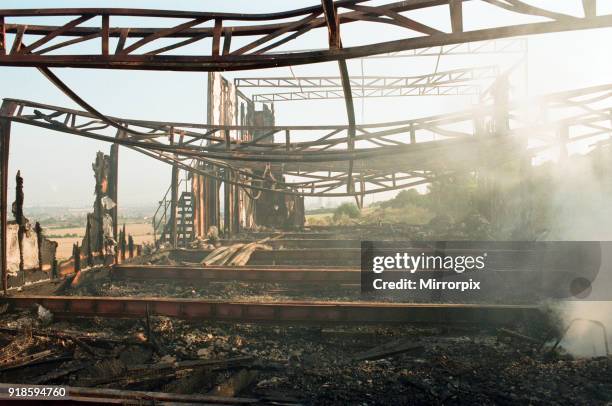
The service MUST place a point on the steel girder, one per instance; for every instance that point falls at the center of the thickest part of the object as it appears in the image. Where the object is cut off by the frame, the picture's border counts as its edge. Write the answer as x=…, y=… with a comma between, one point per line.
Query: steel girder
x=59, y=46
x=388, y=156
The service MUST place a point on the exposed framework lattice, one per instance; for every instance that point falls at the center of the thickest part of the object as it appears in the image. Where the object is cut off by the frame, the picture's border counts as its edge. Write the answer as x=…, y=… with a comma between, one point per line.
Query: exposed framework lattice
x=259, y=43
x=406, y=152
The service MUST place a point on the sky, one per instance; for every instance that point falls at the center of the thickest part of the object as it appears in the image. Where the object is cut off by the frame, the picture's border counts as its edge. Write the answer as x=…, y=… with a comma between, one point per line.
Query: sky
x=57, y=167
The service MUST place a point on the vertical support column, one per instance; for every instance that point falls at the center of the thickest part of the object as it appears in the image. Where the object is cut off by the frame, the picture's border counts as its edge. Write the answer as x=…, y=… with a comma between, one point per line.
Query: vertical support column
x=350, y=112
x=173, y=197
x=7, y=109
x=227, y=203
x=335, y=42
x=456, y=11
x=2, y=37
x=173, y=205
x=237, y=208
x=113, y=188
x=105, y=33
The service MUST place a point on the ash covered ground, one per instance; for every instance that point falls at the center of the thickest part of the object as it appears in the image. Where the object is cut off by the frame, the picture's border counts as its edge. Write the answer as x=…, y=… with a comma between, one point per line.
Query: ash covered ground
x=307, y=364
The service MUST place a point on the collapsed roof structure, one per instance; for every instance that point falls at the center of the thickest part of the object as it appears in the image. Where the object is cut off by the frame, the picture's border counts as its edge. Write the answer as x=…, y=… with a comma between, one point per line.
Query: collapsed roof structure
x=244, y=170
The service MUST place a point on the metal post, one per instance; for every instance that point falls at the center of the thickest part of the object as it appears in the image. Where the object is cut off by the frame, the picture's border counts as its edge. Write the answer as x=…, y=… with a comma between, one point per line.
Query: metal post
x=227, y=206
x=173, y=199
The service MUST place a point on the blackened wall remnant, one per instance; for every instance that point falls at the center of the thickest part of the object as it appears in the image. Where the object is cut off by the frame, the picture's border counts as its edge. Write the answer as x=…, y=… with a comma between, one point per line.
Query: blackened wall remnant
x=225, y=106
x=274, y=209
x=242, y=209
x=30, y=255
x=99, y=235
x=277, y=209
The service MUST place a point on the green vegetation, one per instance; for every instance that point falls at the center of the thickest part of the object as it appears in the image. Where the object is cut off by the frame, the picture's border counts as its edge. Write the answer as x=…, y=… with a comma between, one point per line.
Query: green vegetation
x=346, y=211
x=500, y=201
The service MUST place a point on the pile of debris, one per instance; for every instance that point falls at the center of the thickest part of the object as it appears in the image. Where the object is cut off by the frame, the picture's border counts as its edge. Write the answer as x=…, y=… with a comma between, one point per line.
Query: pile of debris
x=310, y=365
x=237, y=254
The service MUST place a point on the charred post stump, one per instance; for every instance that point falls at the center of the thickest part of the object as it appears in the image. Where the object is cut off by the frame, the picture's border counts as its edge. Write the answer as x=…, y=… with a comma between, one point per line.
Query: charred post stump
x=131, y=246
x=76, y=254
x=39, y=242
x=88, y=248
x=20, y=220
x=123, y=243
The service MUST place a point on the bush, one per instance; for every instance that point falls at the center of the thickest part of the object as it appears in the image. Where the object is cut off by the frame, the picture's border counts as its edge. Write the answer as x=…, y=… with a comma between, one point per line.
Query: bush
x=403, y=199
x=349, y=210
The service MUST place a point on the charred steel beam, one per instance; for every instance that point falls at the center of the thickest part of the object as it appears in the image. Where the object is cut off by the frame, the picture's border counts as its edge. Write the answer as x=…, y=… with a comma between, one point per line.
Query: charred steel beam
x=494, y=46
x=371, y=82
x=282, y=312
x=130, y=12
x=311, y=156
x=259, y=56
x=335, y=43
x=264, y=273
x=162, y=128
x=174, y=197
x=358, y=93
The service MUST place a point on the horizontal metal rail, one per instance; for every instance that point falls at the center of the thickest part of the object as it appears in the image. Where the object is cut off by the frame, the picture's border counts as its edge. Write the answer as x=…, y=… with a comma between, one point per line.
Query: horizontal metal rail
x=282, y=312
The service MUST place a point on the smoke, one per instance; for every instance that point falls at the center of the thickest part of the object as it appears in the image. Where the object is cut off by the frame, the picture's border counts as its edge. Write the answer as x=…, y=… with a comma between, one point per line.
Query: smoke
x=585, y=336
x=581, y=212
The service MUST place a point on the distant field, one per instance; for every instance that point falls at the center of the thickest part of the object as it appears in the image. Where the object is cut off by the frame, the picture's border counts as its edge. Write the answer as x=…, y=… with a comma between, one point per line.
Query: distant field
x=142, y=232
x=319, y=215
x=318, y=218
